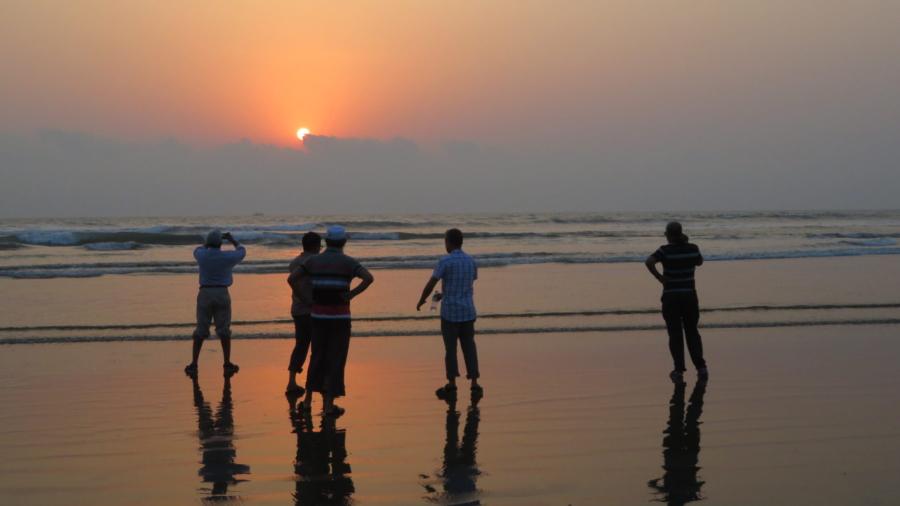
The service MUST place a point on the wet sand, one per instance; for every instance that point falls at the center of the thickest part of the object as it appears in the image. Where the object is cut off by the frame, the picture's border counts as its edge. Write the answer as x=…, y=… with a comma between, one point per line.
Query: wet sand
x=790, y=416
x=85, y=307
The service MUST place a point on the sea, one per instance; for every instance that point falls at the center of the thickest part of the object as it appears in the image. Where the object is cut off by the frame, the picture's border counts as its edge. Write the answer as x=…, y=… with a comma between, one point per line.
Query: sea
x=98, y=278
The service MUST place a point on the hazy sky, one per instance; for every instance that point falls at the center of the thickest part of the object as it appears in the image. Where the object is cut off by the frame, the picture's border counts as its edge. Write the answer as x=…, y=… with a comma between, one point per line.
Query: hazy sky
x=171, y=107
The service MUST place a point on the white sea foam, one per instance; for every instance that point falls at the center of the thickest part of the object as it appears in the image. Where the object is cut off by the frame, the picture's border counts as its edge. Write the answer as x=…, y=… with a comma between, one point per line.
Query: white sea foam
x=112, y=246
x=375, y=236
x=409, y=262
x=881, y=241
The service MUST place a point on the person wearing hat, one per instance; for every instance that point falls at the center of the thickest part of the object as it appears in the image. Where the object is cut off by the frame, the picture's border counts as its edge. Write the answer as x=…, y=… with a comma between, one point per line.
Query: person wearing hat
x=331, y=273
x=680, y=306
x=214, y=301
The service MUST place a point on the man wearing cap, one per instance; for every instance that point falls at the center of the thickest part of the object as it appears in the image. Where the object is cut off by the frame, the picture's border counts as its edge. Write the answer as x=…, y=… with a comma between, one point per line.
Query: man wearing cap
x=331, y=273
x=214, y=301
x=680, y=307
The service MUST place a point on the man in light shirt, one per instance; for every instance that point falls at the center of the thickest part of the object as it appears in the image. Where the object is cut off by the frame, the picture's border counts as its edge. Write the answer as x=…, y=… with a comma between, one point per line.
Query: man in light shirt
x=457, y=273
x=214, y=301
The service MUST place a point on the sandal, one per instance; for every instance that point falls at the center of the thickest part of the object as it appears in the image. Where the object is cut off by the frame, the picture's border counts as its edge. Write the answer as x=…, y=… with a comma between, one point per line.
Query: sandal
x=229, y=367
x=190, y=369
x=446, y=392
x=336, y=411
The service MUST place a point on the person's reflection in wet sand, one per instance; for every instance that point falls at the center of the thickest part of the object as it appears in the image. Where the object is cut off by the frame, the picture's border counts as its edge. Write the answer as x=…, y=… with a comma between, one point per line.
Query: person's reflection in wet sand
x=681, y=454
x=216, y=433
x=460, y=470
x=321, y=468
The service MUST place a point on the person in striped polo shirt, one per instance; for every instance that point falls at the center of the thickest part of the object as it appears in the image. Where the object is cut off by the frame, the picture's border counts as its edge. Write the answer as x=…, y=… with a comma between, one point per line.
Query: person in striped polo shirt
x=331, y=273
x=680, y=306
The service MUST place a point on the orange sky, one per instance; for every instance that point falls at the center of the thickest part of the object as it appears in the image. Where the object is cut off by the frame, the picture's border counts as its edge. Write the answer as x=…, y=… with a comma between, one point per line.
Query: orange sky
x=505, y=71
x=590, y=104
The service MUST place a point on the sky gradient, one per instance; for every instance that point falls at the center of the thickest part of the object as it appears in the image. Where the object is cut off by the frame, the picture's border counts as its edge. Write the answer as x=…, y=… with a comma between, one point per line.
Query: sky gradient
x=517, y=105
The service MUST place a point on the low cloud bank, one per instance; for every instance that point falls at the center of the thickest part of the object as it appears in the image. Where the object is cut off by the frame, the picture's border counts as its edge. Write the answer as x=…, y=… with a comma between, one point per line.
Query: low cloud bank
x=58, y=173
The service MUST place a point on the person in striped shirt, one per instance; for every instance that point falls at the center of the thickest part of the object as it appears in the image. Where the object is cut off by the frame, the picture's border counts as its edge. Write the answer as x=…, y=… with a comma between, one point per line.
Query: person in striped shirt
x=331, y=273
x=680, y=306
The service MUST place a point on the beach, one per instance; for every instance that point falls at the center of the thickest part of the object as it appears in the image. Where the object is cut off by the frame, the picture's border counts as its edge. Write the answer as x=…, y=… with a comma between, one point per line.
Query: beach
x=565, y=193
x=788, y=416
x=578, y=406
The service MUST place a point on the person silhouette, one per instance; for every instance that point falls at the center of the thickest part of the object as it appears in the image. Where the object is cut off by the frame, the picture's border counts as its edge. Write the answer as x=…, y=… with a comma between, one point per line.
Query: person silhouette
x=216, y=434
x=459, y=472
x=679, y=484
x=680, y=305
x=321, y=468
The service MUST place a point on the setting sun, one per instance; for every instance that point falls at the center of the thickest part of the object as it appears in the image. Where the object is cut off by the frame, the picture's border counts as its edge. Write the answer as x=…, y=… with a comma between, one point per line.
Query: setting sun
x=302, y=133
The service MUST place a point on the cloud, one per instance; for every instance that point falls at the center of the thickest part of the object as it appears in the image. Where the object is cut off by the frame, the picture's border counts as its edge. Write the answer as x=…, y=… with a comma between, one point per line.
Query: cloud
x=60, y=173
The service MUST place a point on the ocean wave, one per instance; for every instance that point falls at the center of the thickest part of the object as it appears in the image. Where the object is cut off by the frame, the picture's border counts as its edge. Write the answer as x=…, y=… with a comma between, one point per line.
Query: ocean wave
x=291, y=235
x=834, y=235
x=380, y=224
x=95, y=269
x=374, y=236
x=882, y=241
x=271, y=236
x=164, y=235
x=481, y=331
x=112, y=246
x=202, y=230
x=81, y=238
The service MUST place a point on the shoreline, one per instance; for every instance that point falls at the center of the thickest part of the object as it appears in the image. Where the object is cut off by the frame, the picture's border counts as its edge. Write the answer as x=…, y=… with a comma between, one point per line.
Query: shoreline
x=492, y=332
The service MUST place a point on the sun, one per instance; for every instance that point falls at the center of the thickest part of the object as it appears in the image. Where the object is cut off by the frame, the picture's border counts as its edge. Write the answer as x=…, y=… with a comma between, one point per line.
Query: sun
x=303, y=132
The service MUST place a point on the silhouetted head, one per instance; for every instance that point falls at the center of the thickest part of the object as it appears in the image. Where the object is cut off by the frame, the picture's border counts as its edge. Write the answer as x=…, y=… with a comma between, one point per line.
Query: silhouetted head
x=214, y=239
x=674, y=233
x=453, y=239
x=336, y=237
x=312, y=242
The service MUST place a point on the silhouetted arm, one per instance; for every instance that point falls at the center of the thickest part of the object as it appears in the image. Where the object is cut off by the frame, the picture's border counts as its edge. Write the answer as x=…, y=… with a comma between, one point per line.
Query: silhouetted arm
x=429, y=287
x=651, y=266
x=239, y=251
x=367, y=279
x=699, y=259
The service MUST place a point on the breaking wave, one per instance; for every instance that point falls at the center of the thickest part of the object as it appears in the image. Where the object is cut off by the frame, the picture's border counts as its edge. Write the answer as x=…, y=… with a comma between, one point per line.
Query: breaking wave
x=94, y=269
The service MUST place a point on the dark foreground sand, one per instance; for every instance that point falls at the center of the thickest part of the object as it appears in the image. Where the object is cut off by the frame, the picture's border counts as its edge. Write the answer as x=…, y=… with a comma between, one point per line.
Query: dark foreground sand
x=790, y=416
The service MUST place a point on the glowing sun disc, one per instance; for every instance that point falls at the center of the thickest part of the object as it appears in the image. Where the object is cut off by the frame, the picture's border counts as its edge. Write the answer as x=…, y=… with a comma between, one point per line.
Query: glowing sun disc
x=303, y=132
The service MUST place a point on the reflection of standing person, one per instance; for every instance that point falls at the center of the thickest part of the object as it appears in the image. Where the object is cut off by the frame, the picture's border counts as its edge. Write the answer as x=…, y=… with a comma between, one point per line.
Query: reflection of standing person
x=680, y=306
x=331, y=273
x=216, y=433
x=214, y=301
x=460, y=470
x=300, y=312
x=457, y=273
x=321, y=468
x=681, y=448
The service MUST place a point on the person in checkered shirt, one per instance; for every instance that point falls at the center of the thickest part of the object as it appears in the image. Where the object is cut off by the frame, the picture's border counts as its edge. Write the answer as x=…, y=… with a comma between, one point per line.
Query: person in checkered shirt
x=457, y=273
